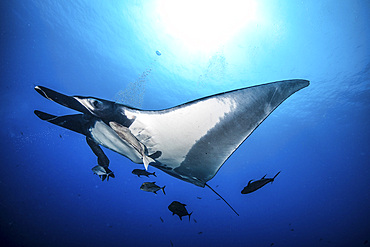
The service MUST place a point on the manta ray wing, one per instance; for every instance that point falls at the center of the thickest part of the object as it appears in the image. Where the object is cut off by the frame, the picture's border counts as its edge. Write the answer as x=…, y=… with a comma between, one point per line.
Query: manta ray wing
x=196, y=138
x=190, y=141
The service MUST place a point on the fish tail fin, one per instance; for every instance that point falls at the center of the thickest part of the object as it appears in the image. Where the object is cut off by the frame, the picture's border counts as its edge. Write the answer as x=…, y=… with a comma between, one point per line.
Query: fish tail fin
x=147, y=160
x=190, y=215
x=222, y=199
x=154, y=174
x=275, y=176
x=163, y=189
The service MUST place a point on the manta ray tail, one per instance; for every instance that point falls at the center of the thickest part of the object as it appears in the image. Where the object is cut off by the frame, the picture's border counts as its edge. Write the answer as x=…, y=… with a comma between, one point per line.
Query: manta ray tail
x=222, y=199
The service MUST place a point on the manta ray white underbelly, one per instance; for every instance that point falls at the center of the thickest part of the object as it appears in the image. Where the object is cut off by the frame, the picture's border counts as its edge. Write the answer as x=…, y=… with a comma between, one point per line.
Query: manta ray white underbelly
x=104, y=135
x=190, y=141
x=176, y=132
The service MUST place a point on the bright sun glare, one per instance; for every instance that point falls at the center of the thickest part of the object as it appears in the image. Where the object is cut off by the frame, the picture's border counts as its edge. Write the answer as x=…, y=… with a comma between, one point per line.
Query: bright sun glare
x=205, y=24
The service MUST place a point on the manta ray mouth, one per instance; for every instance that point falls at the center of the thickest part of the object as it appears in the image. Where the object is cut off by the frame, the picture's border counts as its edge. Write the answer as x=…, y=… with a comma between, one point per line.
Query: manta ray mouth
x=61, y=99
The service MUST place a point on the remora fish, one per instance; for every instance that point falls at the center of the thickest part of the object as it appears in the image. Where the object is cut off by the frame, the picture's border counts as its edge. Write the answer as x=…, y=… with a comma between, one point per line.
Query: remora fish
x=140, y=172
x=179, y=208
x=125, y=133
x=102, y=172
x=151, y=187
x=253, y=186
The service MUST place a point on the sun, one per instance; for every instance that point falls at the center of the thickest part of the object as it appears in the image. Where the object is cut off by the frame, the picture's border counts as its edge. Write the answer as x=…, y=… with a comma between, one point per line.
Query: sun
x=205, y=24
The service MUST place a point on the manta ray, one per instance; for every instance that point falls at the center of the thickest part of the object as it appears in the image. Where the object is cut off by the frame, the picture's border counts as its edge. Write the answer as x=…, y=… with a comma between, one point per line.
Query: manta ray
x=190, y=141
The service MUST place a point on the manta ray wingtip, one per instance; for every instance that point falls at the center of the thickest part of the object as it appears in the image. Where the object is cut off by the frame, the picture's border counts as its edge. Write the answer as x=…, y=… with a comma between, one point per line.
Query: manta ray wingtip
x=304, y=82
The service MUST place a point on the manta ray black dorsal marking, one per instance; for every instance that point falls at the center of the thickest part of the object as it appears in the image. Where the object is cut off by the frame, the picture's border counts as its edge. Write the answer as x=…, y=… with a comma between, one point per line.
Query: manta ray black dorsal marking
x=190, y=141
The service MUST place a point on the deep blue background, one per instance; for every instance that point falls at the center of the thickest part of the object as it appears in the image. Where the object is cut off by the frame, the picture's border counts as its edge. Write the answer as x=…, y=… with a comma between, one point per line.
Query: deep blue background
x=319, y=138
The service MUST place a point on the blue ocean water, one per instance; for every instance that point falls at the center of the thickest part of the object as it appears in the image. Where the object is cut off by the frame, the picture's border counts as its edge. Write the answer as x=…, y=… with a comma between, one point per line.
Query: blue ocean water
x=152, y=55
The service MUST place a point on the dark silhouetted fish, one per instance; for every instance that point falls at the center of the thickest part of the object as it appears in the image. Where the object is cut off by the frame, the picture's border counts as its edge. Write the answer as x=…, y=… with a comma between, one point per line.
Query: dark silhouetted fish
x=179, y=208
x=200, y=232
x=142, y=172
x=253, y=186
x=195, y=220
x=151, y=187
x=161, y=219
x=102, y=172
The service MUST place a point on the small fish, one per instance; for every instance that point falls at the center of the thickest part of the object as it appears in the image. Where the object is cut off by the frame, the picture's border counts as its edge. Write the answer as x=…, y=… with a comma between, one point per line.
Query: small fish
x=102, y=172
x=171, y=243
x=253, y=186
x=142, y=172
x=271, y=244
x=200, y=232
x=60, y=136
x=366, y=241
x=195, y=220
x=179, y=208
x=199, y=197
x=292, y=230
x=125, y=134
x=151, y=187
x=161, y=219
